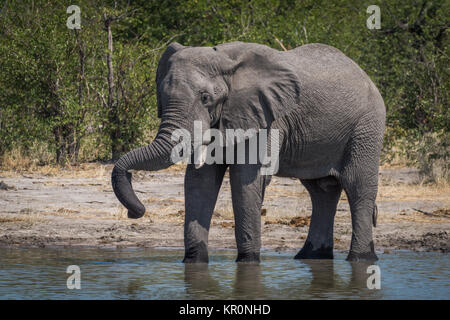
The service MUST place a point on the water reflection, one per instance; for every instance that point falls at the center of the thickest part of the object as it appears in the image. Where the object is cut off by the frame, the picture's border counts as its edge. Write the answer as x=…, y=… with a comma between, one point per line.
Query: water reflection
x=322, y=276
x=199, y=283
x=322, y=272
x=249, y=282
x=358, y=280
x=159, y=274
x=338, y=279
x=132, y=288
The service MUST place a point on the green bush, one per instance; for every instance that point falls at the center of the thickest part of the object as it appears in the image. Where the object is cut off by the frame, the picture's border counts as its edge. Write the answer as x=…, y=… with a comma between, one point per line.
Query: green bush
x=54, y=88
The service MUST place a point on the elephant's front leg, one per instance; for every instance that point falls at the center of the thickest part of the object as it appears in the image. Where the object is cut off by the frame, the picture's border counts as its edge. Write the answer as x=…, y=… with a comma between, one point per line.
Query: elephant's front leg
x=201, y=187
x=247, y=191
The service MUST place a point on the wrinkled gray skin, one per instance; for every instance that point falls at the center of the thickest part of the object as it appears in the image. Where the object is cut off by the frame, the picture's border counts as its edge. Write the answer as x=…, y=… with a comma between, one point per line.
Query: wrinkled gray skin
x=331, y=119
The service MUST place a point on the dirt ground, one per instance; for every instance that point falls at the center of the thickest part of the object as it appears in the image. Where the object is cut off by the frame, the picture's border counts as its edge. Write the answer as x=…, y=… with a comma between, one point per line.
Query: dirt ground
x=77, y=207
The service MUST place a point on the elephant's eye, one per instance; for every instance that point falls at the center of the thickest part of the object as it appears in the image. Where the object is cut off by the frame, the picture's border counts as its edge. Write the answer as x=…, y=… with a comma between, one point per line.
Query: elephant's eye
x=206, y=98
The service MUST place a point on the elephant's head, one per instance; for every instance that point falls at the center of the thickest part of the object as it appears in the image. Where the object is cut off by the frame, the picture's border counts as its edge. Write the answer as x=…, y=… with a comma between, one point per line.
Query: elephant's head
x=230, y=86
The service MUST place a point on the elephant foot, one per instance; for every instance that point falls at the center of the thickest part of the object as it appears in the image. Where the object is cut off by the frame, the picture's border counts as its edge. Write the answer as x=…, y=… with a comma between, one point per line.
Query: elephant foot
x=363, y=256
x=248, y=257
x=197, y=254
x=308, y=252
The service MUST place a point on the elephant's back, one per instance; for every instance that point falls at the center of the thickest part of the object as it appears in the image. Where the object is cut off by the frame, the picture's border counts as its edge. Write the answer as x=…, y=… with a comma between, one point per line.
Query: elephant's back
x=326, y=62
x=328, y=73
x=335, y=96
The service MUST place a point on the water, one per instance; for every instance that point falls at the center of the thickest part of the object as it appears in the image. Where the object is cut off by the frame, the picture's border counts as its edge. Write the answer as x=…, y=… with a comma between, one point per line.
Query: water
x=159, y=274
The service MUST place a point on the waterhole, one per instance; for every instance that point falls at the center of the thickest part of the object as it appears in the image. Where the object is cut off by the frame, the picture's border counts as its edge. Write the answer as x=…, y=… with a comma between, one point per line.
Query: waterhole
x=37, y=273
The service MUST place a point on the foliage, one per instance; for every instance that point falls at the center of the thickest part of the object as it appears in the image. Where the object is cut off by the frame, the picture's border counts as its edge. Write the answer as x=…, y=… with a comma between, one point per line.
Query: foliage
x=46, y=97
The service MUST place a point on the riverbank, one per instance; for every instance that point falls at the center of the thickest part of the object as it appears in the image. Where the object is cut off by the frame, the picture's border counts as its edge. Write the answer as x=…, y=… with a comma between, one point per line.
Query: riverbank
x=77, y=207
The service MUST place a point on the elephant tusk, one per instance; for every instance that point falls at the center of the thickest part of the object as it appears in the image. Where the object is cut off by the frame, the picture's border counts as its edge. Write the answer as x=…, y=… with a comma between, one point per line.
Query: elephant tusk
x=200, y=156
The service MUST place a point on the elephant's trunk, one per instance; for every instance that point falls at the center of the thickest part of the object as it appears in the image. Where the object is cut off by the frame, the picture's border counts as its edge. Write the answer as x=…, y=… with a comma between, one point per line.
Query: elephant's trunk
x=153, y=157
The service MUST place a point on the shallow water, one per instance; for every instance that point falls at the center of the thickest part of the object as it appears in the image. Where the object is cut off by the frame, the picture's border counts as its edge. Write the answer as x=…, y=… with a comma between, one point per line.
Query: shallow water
x=159, y=274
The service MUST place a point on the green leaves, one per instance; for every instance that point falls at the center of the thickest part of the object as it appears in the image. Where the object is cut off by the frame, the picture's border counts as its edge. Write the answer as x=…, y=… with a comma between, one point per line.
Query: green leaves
x=41, y=81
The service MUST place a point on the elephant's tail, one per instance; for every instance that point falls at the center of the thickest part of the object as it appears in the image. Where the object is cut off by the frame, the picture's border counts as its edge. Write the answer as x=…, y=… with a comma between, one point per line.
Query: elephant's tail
x=375, y=215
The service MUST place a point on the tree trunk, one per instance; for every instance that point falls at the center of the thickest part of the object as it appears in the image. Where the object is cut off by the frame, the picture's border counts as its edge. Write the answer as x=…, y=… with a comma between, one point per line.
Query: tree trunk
x=108, y=21
x=117, y=146
x=74, y=147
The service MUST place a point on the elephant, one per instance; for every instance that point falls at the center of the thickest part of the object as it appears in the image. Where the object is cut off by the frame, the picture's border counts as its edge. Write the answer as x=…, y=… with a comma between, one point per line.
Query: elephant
x=327, y=113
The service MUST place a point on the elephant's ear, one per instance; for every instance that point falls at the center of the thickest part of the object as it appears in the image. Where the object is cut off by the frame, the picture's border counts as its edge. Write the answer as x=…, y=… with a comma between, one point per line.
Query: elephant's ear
x=263, y=88
x=162, y=70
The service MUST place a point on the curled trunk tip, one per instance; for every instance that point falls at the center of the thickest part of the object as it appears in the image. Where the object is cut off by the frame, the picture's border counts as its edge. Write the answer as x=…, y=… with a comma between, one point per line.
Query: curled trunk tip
x=153, y=157
x=121, y=183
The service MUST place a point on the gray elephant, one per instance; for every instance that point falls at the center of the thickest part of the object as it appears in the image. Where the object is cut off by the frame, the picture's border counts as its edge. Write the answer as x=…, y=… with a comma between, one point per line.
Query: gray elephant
x=329, y=117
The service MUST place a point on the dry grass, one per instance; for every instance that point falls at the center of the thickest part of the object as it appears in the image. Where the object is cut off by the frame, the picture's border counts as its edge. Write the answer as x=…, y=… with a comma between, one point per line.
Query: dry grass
x=15, y=162
x=120, y=214
x=397, y=159
x=294, y=222
x=164, y=201
x=161, y=214
x=224, y=211
x=223, y=224
x=289, y=191
x=168, y=209
x=29, y=218
x=416, y=217
x=176, y=167
x=30, y=215
x=442, y=212
x=412, y=192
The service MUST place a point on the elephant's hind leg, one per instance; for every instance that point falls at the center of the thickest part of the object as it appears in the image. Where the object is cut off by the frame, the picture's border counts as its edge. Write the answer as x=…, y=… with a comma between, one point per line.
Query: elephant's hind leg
x=361, y=194
x=361, y=198
x=201, y=187
x=325, y=193
x=359, y=178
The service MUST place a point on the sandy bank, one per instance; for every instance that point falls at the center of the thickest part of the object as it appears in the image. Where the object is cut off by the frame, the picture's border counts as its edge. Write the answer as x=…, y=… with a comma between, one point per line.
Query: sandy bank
x=79, y=209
